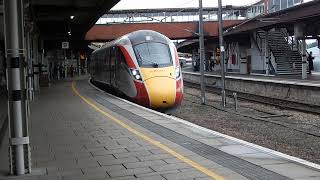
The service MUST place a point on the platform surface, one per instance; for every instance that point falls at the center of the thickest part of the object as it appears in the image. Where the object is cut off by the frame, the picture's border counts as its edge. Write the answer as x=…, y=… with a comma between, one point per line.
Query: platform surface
x=103, y=137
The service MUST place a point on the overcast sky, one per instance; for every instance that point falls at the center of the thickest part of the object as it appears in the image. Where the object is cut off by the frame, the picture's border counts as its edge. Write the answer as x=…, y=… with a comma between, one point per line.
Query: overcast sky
x=149, y=4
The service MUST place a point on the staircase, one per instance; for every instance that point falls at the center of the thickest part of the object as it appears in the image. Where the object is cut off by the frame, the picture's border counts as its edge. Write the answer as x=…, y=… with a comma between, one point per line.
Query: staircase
x=288, y=60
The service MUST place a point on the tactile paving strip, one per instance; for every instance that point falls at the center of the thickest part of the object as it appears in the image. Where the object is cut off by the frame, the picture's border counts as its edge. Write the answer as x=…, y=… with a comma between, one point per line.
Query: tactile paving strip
x=231, y=162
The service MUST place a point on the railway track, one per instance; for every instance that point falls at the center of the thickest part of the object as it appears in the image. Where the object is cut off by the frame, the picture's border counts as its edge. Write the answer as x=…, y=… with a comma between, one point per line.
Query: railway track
x=254, y=98
x=269, y=119
x=313, y=131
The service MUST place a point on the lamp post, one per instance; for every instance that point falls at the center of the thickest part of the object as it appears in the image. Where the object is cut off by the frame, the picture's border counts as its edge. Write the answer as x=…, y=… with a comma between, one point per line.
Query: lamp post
x=202, y=55
x=222, y=50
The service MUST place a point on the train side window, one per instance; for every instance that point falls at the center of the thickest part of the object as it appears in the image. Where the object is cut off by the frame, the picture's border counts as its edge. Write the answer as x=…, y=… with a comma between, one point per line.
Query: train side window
x=107, y=56
x=108, y=64
x=121, y=57
x=113, y=57
x=112, y=62
x=106, y=59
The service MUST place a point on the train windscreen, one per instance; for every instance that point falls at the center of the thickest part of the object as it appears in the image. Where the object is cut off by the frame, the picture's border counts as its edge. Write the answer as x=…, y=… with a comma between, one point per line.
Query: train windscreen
x=152, y=54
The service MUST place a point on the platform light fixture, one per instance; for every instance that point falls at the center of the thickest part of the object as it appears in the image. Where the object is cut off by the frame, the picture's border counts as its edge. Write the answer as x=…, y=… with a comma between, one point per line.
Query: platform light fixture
x=71, y=17
x=69, y=32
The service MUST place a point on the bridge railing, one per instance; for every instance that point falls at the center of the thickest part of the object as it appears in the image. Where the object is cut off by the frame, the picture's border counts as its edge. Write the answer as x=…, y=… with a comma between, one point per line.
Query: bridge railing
x=160, y=17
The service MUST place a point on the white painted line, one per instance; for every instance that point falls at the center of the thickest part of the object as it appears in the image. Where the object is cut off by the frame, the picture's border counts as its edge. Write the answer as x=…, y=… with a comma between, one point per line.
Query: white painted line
x=209, y=131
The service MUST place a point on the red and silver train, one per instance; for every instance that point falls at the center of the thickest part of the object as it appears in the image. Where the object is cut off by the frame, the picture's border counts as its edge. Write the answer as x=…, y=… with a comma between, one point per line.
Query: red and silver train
x=143, y=66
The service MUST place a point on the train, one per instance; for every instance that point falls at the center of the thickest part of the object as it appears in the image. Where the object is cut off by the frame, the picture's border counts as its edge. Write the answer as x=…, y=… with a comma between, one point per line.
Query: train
x=143, y=66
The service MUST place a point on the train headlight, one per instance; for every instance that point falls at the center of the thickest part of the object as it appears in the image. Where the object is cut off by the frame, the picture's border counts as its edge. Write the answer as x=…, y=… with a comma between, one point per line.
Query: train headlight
x=138, y=77
x=136, y=74
x=177, y=72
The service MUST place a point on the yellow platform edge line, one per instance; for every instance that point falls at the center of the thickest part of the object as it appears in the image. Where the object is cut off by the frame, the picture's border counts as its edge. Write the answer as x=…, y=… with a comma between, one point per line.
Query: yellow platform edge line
x=150, y=140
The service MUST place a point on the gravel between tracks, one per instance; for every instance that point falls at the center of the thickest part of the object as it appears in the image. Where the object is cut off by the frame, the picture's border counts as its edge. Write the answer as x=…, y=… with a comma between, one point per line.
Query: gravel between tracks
x=251, y=129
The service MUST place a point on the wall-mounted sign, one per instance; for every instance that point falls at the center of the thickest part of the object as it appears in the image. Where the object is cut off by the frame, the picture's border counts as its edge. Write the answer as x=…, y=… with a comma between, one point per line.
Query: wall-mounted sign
x=65, y=45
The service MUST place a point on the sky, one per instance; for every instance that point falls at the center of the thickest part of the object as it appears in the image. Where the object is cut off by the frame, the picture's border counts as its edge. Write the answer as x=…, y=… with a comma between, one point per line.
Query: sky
x=149, y=4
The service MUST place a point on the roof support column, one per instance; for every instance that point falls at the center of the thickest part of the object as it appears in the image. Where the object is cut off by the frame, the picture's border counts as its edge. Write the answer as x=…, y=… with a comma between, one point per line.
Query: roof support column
x=267, y=53
x=30, y=69
x=18, y=126
x=79, y=64
x=222, y=53
x=299, y=35
x=202, y=55
x=36, y=63
x=304, y=59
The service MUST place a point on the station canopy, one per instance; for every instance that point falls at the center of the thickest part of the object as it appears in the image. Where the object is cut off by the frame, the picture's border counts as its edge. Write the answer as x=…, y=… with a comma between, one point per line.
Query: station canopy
x=58, y=20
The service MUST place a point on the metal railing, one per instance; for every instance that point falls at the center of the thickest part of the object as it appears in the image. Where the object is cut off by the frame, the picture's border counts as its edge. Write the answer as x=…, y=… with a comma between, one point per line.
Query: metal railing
x=273, y=62
x=295, y=45
x=260, y=42
x=170, y=15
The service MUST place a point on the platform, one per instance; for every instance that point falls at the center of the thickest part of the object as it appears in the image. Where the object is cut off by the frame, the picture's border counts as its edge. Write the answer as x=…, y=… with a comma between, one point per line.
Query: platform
x=313, y=80
x=304, y=94
x=79, y=132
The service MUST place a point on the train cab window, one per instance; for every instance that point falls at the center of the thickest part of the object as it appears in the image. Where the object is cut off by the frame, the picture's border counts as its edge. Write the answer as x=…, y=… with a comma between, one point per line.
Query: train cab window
x=152, y=54
x=121, y=58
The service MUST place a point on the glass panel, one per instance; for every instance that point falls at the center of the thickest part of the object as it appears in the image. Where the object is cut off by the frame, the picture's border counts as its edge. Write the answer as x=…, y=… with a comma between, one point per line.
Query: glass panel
x=290, y=3
x=153, y=54
x=284, y=4
x=276, y=5
x=270, y=6
x=297, y=1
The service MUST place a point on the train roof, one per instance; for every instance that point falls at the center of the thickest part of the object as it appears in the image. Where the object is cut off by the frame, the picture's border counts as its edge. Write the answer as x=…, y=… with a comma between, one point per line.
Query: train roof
x=140, y=36
x=137, y=37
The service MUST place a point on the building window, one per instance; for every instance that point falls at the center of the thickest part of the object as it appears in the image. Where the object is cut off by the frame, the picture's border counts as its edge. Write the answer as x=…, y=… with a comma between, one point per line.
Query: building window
x=297, y=2
x=284, y=4
x=276, y=5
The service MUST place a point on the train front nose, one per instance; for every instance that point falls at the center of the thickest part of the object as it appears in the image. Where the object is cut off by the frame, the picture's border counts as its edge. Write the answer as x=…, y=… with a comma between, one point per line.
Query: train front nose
x=161, y=91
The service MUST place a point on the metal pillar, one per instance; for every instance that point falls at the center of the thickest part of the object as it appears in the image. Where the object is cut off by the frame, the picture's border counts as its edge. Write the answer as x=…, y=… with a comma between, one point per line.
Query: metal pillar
x=266, y=54
x=202, y=54
x=36, y=63
x=222, y=50
x=30, y=69
x=299, y=34
x=79, y=65
x=86, y=66
x=304, y=59
x=41, y=63
x=18, y=129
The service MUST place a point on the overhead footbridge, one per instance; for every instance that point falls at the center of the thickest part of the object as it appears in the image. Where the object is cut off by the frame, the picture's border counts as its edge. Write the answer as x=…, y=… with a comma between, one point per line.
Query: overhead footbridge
x=173, y=30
